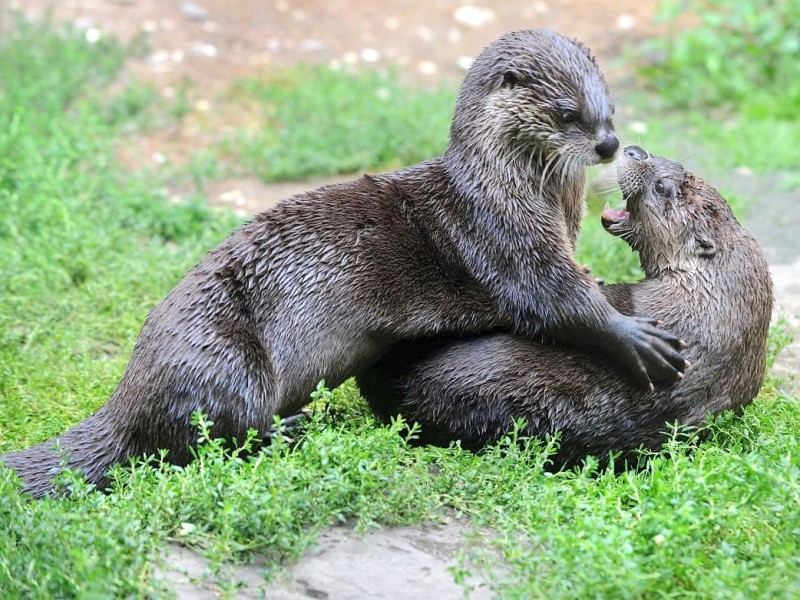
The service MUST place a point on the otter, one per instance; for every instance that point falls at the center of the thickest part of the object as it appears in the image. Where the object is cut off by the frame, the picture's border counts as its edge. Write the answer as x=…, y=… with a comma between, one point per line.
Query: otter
x=706, y=279
x=323, y=284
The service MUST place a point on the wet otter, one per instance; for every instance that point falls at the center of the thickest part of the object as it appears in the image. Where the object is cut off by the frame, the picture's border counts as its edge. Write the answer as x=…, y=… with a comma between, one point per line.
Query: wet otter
x=323, y=284
x=706, y=280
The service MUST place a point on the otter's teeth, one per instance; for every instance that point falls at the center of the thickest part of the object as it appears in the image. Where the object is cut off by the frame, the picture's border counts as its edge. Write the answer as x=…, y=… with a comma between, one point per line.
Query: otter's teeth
x=614, y=215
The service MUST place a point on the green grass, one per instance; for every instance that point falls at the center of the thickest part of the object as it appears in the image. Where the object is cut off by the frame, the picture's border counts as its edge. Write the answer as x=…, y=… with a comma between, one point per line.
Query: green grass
x=86, y=249
x=733, y=54
x=728, y=80
x=712, y=519
x=338, y=122
x=71, y=301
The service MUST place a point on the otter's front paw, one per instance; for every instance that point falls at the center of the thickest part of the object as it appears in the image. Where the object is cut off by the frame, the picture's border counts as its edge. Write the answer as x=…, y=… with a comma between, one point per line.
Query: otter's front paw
x=588, y=271
x=648, y=352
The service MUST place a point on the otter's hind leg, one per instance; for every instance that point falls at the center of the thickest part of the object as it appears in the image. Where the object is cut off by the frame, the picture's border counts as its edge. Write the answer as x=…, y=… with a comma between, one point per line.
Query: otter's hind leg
x=447, y=406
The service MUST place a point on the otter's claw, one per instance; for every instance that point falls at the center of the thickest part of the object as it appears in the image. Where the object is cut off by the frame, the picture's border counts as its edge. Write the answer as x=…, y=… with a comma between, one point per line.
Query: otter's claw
x=649, y=353
x=290, y=424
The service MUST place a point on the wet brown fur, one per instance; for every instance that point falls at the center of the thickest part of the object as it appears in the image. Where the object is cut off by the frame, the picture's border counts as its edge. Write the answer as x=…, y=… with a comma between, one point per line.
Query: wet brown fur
x=323, y=284
x=706, y=279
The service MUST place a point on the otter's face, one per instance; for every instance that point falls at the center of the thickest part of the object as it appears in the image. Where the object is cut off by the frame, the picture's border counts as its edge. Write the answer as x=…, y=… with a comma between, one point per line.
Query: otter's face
x=670, y=217
x=543, y=95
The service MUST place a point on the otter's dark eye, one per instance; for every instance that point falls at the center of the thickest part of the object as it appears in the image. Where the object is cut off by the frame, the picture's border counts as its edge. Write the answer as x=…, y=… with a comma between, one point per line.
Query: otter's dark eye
x=510, y=79
x=568, y=116
x=661, y=188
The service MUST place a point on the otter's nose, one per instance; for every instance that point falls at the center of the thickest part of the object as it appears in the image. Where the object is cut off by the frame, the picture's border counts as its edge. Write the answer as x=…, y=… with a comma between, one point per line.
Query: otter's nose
x=607, y=147
x=637, y=153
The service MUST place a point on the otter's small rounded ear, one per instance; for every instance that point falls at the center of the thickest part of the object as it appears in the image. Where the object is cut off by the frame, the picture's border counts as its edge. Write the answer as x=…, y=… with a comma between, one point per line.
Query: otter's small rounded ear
x=510, y=79
x=706, y=248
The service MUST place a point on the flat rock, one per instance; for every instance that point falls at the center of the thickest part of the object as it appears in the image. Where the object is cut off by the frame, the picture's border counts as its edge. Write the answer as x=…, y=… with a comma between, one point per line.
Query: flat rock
x=397, y=563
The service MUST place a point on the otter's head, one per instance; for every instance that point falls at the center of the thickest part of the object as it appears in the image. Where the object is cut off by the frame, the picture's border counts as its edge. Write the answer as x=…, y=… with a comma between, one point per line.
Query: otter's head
x=672, y=218
x=538, y=97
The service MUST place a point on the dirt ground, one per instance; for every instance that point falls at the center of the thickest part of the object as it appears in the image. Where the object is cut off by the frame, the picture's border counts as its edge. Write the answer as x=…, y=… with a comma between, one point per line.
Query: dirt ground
x=214, y=41
x=202, y=46
x=208, y=44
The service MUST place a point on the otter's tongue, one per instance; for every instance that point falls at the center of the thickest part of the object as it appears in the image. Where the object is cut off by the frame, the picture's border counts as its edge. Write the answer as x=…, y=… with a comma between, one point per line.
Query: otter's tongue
x=611, y=216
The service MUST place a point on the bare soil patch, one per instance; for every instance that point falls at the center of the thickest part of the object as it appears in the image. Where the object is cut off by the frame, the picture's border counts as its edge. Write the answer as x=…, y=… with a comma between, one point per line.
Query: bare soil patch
x=201, y=47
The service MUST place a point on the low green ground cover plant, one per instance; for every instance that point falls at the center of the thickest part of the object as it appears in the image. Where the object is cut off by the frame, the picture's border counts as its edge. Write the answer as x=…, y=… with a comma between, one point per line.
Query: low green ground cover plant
x=723, y=53
x=735, y=62
x=86, y=249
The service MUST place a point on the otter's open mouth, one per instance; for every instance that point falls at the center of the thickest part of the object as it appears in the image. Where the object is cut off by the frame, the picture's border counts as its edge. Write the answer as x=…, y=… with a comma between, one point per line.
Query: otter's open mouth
x=614, y=220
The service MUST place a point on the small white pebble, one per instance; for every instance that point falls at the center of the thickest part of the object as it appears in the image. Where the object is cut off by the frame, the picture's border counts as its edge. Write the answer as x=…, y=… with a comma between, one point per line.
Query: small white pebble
x=193, y=11
x=625, y=22
x=312, y=45
x=541, y=8
x=473, y=16
x=159, y=158
x=93, y=35
x=205, y=49
x=158, y=58
x=349, y=58
x=744, y=170
x=638, y=126
x=427, y=67
x=425, y=34
x=203, y=105
x=370, y=55
x=230, y=196
x=453, y=36
x=465, y=62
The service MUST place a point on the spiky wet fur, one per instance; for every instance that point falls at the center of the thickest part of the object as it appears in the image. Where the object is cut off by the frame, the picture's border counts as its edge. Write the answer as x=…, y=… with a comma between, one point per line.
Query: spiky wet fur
x=706, y=279
x=323, y=284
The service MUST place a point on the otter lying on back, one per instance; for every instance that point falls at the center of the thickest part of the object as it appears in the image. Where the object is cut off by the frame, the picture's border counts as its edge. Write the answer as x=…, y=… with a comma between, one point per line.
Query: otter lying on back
x=706, y=280
x=323, y=284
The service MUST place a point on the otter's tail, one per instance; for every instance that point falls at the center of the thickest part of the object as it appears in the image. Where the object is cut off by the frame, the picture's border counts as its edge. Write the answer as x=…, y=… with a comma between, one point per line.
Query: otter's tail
x=88, y=447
